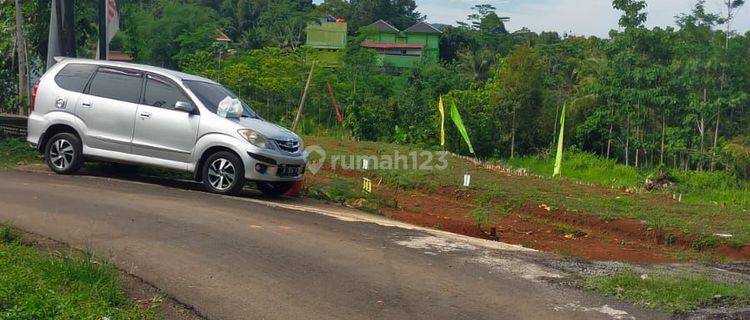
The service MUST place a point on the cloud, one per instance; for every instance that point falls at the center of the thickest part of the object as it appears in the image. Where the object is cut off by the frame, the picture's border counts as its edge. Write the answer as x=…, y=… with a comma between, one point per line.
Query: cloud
x=580, y=17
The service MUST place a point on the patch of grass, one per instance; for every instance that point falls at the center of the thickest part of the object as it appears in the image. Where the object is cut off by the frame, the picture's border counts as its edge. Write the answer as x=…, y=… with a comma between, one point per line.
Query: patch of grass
x=668, y=293
x=349, y=192
x=705, y=242
x=584, y=167
x=568, y=229
x=36, y=285
x=14, y=152
x=670, y=239
x=490, y=204
x=9, y=234
x=482, y=215
x=699, y=187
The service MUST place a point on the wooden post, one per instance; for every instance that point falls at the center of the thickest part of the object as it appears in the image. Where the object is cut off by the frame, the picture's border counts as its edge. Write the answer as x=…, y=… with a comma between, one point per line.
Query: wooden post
x=304, y=97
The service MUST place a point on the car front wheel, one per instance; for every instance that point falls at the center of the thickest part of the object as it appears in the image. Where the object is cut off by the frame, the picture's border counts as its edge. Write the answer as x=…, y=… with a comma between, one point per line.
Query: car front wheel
x=223, y=173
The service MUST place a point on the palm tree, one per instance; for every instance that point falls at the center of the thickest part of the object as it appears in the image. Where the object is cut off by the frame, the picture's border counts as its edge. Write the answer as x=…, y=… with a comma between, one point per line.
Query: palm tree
x=476, y=65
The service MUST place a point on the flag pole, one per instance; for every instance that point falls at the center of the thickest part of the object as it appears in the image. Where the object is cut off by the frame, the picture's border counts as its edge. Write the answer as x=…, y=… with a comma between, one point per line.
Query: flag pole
x=102, y=30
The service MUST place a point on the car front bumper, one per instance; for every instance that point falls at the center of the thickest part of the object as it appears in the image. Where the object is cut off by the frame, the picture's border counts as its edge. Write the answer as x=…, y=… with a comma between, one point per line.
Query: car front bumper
x=265, y=166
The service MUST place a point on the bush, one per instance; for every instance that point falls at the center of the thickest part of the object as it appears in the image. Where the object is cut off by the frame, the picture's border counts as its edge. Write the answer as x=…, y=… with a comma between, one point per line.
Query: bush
x=738, y=152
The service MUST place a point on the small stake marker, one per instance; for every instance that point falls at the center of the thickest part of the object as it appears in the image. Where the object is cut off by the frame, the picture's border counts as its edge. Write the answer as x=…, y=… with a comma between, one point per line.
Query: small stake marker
x=467, y=180
x=367, y=185
x=680, y=199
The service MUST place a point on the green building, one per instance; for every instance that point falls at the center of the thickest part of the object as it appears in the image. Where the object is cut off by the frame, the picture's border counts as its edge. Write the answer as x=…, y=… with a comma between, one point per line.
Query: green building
x=327, y=34
x=403, y=49
x=328, y=37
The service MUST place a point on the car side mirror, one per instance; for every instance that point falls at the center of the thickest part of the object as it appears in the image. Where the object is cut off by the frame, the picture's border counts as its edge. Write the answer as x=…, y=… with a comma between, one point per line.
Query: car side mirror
x=184, y=106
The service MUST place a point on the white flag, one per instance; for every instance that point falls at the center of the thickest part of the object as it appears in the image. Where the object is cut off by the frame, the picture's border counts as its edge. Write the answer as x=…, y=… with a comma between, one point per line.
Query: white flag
x=113, y=23
x=113, y=20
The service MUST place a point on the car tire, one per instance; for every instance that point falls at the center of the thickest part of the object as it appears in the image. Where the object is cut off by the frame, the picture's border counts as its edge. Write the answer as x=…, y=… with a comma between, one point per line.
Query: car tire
x=223, y=173
x=64, y=153
x=274, y=189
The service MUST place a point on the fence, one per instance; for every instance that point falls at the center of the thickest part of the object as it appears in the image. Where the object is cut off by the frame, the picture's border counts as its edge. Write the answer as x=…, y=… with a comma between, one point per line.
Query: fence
x=13, y=125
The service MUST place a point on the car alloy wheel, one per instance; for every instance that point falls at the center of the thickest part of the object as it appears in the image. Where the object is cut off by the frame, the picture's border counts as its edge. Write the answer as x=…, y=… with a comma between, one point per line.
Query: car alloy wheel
x=61, y=154
x=222, y=174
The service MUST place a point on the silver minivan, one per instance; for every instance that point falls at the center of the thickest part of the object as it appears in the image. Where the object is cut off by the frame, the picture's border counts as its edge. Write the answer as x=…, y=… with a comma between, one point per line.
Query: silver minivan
x=137, y=114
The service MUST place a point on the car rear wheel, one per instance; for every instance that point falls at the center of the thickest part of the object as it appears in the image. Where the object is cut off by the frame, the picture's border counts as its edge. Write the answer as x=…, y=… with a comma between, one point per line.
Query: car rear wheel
x=63, y=153
x=274, y=189
x=223, y=173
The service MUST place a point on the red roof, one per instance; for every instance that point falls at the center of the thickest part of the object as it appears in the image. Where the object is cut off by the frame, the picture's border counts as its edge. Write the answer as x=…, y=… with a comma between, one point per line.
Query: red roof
x=223, y=37
x=389, y=45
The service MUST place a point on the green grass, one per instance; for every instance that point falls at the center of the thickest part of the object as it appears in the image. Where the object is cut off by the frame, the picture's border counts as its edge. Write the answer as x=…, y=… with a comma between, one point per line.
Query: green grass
x=37, y=285
x=349, y=192
x=14, y=152
x=583, y=167
x=668, y=293
x=717, y=188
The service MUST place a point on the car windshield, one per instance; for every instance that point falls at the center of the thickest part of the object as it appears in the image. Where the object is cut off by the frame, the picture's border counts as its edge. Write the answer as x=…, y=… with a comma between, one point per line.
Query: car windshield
x=211, y=94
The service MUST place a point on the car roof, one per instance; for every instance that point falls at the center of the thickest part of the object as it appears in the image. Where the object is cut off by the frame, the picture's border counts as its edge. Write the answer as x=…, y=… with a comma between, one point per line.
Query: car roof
x=144, y=67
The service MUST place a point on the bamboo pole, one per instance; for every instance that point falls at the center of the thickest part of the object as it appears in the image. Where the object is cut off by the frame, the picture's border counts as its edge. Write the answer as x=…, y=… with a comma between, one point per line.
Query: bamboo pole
x=304, y=97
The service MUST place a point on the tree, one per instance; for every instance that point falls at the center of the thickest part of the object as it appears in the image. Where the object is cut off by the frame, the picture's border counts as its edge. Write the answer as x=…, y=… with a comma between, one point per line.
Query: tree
x=168, y=30
x=23, y=76
x=732, y=7
x=633, y=15
x=400, y=13
x=518, y=86
x=476, y=65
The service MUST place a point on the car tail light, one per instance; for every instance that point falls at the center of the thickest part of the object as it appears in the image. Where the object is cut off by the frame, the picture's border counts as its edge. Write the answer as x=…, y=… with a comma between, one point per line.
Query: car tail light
x=33, y=95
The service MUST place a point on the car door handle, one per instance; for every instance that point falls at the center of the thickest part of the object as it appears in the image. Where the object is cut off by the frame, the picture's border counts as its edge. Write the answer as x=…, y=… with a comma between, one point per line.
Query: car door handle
x=145, y=115
x=86, y=103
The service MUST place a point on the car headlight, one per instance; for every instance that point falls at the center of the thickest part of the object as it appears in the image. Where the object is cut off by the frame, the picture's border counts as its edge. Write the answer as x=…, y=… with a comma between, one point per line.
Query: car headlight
x=256, y=139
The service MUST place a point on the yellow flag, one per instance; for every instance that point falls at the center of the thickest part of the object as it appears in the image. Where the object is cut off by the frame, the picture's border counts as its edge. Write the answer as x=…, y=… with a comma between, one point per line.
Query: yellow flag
x=442, y=121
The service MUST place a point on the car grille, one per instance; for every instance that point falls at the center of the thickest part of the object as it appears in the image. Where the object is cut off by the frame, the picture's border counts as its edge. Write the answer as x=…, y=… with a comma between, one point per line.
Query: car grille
x=290, y=145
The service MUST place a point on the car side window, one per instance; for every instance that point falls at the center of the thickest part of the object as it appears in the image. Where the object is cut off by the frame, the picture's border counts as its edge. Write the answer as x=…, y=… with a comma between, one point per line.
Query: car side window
x=118, y=84
x=161, y=93
x=74, y=76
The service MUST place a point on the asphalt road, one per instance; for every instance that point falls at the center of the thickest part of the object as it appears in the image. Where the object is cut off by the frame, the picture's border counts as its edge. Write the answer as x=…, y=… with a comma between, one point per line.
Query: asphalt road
x=238, y=258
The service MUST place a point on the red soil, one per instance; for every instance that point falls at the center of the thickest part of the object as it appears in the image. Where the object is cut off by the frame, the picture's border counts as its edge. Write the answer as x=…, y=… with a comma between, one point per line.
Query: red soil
x=536, y=227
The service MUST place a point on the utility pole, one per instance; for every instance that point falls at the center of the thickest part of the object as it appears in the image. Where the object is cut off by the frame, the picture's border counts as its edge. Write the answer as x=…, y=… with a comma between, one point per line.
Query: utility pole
x=102, y=30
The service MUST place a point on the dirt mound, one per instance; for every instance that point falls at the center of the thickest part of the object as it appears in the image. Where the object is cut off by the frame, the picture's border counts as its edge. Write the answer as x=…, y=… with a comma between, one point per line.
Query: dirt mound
x=540, y=227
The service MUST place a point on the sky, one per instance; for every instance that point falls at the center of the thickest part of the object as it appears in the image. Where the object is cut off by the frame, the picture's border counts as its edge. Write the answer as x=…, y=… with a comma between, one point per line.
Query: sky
x=577, y=17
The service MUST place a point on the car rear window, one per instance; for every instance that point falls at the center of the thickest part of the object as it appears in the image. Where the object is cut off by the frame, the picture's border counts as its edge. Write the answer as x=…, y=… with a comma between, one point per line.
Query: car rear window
x=74, y=76
x=118, y=84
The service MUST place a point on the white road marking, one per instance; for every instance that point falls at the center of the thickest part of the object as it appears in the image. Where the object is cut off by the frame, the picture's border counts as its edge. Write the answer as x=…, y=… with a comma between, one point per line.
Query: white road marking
x=605, y=309
x=435, y=244
x=526, y=270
